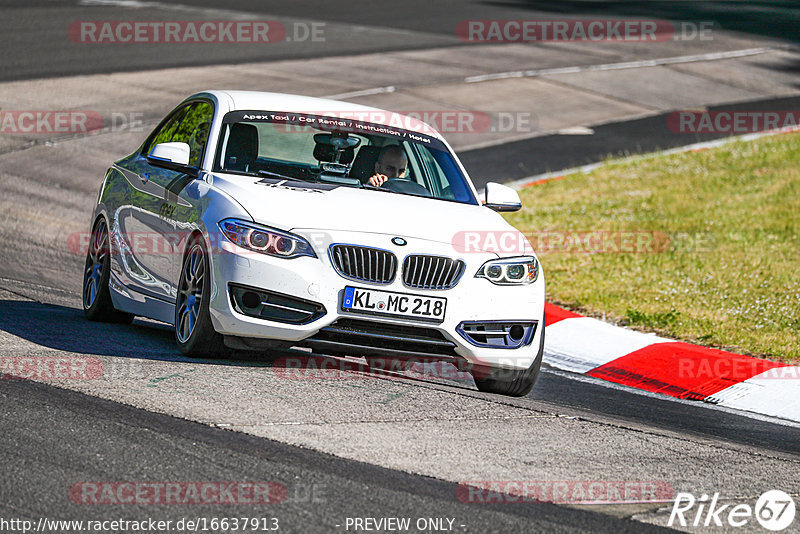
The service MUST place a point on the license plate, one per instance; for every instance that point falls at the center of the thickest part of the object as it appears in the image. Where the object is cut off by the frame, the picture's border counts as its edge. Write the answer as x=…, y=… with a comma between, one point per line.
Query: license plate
x=374, y=302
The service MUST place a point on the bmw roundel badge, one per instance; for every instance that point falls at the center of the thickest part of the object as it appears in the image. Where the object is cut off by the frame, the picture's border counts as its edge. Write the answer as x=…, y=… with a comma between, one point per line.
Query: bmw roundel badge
x=399, y=241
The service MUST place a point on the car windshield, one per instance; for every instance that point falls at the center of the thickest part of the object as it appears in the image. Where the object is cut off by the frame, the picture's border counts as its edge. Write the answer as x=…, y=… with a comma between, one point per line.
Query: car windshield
x=340, y=151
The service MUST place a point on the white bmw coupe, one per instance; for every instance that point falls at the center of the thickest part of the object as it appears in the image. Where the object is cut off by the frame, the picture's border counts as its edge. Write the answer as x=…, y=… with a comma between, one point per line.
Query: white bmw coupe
x=256, y=220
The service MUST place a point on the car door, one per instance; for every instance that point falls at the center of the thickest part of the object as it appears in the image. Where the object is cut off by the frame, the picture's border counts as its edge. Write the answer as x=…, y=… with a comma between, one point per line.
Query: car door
x=148, y=225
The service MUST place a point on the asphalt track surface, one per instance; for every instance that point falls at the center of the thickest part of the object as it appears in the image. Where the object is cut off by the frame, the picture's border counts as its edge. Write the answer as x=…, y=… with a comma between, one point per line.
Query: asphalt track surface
x=322, y=491
x=55, y=437
x=33, y=31
x=554, y=389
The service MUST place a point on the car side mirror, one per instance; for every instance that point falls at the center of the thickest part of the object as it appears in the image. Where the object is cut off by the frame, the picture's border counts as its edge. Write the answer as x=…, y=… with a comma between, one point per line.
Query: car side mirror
x=500, y=197
x=173, y=156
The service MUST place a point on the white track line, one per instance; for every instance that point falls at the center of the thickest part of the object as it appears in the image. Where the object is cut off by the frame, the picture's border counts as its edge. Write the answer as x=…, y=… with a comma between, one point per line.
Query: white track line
x=714, y=56
x=364, y=92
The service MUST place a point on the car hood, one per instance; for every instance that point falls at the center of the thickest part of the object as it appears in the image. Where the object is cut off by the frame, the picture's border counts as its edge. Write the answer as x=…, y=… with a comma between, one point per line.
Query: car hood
x=290, y=205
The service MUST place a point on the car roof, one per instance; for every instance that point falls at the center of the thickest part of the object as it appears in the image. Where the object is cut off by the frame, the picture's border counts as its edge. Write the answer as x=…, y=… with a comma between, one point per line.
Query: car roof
x=264, y=101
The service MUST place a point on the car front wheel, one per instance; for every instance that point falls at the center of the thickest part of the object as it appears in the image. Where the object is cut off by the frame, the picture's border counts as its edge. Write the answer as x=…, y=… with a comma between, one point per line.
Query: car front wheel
x=508, y=382
x=194, y=332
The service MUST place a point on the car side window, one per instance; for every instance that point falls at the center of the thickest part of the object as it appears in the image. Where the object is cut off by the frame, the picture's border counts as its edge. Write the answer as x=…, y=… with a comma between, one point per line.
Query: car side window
x=166, y=132
x=193, y=130
x=191, y=125
x=439, y=183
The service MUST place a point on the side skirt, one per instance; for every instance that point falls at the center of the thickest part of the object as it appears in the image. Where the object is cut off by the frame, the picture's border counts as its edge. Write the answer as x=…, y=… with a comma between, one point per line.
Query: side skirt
x=128, y=300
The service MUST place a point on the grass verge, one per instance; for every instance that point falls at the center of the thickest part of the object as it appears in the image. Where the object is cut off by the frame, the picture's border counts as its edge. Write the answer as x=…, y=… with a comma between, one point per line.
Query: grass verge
x=699, y=246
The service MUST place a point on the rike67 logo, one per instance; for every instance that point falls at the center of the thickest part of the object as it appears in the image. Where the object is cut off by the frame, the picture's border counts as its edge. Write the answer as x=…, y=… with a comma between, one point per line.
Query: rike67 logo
x=774, y=510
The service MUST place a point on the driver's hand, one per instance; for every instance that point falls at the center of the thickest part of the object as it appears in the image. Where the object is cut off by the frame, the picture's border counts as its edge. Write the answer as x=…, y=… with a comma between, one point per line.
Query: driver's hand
x=377, y=180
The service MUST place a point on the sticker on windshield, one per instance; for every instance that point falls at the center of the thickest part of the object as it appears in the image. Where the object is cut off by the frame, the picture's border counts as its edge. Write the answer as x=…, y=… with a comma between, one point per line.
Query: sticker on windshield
x=371, y=122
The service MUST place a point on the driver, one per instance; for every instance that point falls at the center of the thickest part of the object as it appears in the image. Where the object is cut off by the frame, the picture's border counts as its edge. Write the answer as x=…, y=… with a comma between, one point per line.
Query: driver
x=391, y=163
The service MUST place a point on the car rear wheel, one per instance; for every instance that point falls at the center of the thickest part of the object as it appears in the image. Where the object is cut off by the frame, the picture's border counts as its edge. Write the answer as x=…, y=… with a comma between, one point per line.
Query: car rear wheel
x=97, y=305
x=194, y=332
x=509, y=382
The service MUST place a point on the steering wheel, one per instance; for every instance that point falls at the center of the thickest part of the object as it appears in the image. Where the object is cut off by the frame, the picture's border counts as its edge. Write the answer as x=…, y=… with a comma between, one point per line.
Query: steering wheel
x=401, y=185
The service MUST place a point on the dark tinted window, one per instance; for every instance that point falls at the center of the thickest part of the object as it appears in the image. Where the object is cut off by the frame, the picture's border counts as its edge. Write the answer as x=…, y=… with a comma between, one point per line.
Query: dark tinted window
x=190, y=125
x=193, y=130
x=166, y=132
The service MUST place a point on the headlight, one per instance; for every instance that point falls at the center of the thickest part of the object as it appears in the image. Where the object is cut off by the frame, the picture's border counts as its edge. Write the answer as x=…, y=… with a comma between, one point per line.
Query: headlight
x=510, y=271
x=265, y=240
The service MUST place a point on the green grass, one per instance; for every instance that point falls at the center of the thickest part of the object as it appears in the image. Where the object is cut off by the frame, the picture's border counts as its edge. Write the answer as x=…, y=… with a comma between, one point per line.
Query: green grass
x=725, y=227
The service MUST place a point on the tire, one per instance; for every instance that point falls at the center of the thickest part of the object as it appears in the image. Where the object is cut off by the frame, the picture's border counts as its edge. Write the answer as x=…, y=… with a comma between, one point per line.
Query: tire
x=194, y=333
x=508, y=382
x=97, y=304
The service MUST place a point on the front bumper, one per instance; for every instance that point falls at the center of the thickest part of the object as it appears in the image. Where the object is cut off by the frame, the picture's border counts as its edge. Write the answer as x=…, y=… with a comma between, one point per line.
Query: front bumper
x=334, y=331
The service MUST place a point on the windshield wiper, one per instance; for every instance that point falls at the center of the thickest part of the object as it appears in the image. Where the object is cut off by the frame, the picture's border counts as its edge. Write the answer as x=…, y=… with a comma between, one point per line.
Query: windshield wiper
x=271, y=174
x=379, y=188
